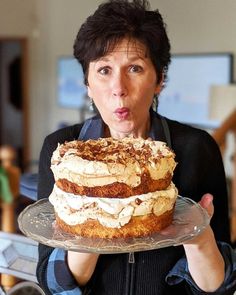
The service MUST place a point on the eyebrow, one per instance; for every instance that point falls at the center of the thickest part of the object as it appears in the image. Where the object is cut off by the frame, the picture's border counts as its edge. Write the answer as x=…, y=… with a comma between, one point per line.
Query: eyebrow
x=132, y=58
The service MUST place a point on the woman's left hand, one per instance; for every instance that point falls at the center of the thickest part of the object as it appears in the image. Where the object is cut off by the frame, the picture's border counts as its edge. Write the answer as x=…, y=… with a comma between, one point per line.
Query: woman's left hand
x=206, y=203
x=205, y=262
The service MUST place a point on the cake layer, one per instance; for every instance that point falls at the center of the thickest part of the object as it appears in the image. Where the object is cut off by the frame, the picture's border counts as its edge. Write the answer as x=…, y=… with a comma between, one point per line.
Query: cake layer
x=139, y=226
x=110, y=212
x=102, y=162
x=116, y=189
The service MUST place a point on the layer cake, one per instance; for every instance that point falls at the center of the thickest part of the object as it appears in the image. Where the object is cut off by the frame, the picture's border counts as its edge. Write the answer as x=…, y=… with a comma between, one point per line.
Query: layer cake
x=111, y=188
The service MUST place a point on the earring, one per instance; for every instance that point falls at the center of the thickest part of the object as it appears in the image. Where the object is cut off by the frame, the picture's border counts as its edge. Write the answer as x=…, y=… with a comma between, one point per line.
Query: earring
x=155, y=102
x=91, y=105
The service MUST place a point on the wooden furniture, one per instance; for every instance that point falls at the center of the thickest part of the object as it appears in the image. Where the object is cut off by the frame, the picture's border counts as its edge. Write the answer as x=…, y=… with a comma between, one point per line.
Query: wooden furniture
x=8, y=217
x=220, y=135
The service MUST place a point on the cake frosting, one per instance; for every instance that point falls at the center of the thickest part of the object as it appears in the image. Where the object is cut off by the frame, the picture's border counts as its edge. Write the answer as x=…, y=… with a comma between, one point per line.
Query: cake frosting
x=112, y=163
x=110, y=212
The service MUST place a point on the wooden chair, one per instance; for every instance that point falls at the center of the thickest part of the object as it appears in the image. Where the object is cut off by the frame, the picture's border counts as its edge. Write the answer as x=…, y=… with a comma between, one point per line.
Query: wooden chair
x=220, y=135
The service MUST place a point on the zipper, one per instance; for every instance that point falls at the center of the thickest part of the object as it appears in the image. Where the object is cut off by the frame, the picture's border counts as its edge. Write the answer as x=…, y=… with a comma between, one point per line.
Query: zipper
x=130, y=274
x=131, y=257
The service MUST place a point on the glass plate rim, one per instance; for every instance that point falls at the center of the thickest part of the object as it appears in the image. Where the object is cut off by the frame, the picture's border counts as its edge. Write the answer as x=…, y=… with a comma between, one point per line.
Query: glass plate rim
x=120, y=245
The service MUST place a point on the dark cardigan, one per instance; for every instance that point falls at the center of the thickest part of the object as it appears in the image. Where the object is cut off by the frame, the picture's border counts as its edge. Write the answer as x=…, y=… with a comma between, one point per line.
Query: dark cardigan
x=199, y=170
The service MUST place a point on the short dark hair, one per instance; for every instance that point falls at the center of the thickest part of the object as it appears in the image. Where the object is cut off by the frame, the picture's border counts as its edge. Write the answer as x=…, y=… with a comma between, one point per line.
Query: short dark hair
x=116, y=19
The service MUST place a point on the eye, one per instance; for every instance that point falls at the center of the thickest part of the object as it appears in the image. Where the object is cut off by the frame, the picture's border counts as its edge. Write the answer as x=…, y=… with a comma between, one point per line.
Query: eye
x=135, y=69
x=104, y=70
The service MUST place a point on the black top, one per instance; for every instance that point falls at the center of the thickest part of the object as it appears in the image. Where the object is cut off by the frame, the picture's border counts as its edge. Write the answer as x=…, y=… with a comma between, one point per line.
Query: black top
x=199, y=170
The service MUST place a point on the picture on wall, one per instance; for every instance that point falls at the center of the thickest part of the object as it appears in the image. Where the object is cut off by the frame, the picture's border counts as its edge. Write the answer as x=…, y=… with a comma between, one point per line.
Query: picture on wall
x=71, y=90
x=190, y=77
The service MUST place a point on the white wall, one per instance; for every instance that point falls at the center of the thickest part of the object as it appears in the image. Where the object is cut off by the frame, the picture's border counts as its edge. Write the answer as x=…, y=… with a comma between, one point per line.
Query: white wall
x=51, y=26
x=200, y=26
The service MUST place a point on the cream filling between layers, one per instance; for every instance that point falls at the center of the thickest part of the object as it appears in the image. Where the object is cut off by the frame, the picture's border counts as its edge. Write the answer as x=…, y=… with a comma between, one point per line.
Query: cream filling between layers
x=94, y=173
x=110, y=212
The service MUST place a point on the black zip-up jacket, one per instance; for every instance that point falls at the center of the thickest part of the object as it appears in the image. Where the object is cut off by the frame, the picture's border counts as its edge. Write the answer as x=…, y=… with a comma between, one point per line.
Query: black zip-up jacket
x=199, y=170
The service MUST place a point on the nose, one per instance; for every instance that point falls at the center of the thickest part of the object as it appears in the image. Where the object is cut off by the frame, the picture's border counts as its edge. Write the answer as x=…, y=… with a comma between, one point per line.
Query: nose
x=119, y=85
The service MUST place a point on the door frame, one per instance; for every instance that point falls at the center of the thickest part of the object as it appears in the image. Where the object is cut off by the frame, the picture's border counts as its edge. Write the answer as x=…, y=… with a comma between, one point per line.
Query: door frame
x=25, y=94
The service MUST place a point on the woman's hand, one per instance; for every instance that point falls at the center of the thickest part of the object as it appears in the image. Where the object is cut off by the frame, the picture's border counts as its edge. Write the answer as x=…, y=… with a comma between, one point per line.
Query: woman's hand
x=82, y=265
x=207, y=203
x=205, y=262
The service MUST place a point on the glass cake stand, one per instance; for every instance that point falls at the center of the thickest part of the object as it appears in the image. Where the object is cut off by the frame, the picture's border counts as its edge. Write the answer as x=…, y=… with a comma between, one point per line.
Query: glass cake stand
x=37, y=221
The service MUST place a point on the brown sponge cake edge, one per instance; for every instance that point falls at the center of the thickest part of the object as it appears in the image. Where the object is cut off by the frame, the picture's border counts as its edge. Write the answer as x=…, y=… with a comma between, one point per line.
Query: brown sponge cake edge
x=116, y=189
x=138, y=226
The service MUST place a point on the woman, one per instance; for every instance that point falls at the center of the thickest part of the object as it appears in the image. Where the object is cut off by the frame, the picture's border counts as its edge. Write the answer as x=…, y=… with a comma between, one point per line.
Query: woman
x=125, y=52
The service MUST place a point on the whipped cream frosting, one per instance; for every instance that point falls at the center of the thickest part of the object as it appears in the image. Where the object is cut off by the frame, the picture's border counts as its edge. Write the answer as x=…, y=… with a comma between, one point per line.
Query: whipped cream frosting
x=106, y=160
x=110, y=212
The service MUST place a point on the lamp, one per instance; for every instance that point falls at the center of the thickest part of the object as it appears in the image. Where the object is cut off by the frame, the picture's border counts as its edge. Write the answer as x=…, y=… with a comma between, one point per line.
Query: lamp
x=222, y=101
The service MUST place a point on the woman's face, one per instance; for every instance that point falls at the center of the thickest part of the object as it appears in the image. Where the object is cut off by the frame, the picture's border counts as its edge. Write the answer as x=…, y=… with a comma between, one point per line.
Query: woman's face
x=122, y=85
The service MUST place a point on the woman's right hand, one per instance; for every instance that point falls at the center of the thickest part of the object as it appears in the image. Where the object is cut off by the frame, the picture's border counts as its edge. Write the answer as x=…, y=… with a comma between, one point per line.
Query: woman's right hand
x=82, y=265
